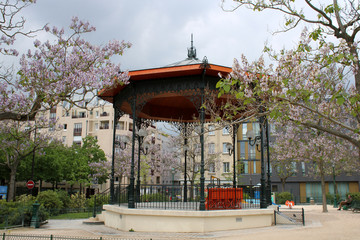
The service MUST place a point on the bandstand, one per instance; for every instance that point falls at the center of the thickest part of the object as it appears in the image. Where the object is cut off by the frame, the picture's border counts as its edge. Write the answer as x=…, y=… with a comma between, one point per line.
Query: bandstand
x=174, y=93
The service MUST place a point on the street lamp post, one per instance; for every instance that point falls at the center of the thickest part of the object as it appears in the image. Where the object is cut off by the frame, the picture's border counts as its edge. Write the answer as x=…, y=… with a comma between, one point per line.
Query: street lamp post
x=121, y=143
x=143, y=147
x=230, y=148
x=173, y=184
x=335, y=198
x=252, y=141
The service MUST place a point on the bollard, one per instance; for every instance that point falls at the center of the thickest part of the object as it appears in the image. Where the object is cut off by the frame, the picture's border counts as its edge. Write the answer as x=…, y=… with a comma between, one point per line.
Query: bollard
x=35, y=223
x=94, y=210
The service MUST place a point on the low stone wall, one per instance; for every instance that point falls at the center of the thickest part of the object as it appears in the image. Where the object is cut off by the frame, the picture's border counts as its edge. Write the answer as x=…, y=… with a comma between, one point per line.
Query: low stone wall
x=152, y=220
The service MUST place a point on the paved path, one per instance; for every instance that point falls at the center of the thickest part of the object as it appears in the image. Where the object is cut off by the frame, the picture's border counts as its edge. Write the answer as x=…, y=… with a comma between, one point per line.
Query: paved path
x=320, y=226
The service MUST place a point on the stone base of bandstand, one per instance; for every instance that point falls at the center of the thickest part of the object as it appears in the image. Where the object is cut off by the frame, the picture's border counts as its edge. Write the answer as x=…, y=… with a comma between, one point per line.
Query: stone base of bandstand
x=156, y=220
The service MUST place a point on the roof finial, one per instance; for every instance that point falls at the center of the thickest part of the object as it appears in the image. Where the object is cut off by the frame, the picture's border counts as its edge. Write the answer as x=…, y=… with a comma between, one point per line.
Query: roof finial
x=192, y=50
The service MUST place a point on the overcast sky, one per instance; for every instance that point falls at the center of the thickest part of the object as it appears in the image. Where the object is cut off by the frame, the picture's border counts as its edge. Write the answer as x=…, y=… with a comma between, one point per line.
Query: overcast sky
x=160, y=30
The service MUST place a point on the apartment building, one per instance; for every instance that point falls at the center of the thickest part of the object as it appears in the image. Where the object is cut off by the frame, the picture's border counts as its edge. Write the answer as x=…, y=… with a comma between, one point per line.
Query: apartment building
x=78, y=123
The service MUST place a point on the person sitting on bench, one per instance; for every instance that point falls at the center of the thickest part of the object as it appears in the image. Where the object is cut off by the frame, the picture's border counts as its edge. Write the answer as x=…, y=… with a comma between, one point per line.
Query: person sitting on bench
x=347, y=202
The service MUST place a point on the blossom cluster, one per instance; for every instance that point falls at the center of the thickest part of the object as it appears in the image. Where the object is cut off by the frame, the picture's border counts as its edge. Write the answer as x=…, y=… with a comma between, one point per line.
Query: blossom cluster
x=67, y=69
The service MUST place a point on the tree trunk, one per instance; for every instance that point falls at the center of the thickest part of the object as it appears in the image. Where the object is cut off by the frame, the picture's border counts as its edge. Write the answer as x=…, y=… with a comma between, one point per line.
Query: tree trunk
x=40, y=185
x=323, y=192
x=283, y=185
x=12, y=184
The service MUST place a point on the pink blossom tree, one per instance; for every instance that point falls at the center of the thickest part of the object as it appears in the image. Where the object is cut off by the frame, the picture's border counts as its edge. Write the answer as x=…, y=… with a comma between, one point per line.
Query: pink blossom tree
x=319, y=150
x=64, y=69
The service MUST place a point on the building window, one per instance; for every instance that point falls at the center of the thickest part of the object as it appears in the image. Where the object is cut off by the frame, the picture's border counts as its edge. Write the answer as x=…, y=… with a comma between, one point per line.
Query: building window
x=242, y=150
x=211, y=167
x=65, y=127
x=104, y=125
x=254, y=166
x=97, y=114
x=211, y=148
x=303, y=168
x=197, y=167
x=197, y=148
x=246, y=167
x=64, y=139
x=77, y=140
x=77, y=129
x=225, y=149
x=293, y=169
x=226, y=130
x=96, y=126
x=157, y=180
x=120, y=125
x=82, y=114
x=211, y=130
x=256, y=128
x=244, y=131
x=226, y=167
x=251, y=152
x=52, y=116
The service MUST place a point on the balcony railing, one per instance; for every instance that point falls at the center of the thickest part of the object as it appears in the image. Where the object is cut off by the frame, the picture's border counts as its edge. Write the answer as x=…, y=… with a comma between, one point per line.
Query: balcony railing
x=77, y=131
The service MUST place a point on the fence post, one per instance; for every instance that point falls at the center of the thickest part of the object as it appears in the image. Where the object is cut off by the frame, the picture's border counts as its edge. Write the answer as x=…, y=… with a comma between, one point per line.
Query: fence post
x=94, y=210
x=275, y=217
x=3, y=236
x=51, y=237
x=6, y=221
x=303, y=216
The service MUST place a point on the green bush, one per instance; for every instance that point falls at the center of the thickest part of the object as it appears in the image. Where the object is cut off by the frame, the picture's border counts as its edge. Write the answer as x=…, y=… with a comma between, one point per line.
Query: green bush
x=77, y=201
x=330, y=198
x=155, y=197
x=51, y=201
x=64, y=198
x=100, y=200
x=354, y=195
x=15, y=212
x=282, y=197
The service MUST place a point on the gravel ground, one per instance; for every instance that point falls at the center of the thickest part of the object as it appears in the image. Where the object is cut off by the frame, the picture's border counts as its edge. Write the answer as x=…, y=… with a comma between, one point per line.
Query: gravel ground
x=320, y=226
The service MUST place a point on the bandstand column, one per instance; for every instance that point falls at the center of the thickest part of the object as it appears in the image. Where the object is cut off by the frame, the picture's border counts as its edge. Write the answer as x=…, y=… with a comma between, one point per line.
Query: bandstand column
x=185, y=161
x=202, y=120
x=112, y=180
x=131, y=199
x=268, y=184
x=234, y=153
x=263, y=203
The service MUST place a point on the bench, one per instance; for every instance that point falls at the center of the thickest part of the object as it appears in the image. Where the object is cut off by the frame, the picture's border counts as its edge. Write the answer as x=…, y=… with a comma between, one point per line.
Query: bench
x=354, y=206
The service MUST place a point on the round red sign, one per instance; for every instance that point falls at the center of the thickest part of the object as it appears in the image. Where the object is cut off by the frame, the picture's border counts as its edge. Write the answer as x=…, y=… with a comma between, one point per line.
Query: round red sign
x=30, y=184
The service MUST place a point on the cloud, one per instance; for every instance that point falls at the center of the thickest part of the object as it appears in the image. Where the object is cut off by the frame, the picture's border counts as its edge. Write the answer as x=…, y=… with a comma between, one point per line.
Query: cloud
x=160, y=30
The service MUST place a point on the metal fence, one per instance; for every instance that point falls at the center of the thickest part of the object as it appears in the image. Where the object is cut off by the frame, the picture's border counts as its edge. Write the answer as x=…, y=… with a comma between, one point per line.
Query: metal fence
x=289, y=216
x=5, y=236
x=182, y=197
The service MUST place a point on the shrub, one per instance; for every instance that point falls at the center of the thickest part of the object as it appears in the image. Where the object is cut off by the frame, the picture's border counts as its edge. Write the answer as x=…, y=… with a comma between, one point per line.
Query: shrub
x=282, y=197
x=64, y=198
x=330, y=198
x=354, y=195
x=77, y=200
x=51, y=201
x=15, y=212
x=100, y=200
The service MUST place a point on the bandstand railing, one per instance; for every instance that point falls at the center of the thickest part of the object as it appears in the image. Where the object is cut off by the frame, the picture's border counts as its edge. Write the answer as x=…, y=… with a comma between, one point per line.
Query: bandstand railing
x=217, y=197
